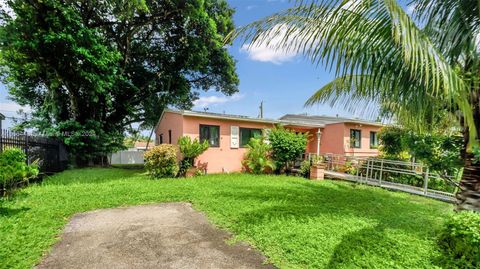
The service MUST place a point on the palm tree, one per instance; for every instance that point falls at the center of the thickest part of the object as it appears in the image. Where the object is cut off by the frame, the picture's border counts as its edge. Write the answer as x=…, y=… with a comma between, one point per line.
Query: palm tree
x=413, y=67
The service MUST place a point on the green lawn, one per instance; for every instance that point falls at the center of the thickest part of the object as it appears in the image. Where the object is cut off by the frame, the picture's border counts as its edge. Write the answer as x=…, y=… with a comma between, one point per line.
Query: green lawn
x=296, y=223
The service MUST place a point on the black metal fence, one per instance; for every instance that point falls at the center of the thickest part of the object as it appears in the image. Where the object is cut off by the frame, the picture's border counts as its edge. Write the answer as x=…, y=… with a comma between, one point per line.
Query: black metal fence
x=50, y=153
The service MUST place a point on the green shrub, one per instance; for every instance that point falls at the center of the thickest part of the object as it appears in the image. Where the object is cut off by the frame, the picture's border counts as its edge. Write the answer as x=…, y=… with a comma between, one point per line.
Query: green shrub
x=305, y=168
x=307, y=164
x=460, y=241
x=391, y=141
x=161, y=161
x=257, y=159
x=287, y=146
x=350, y=168
x=440, y=152
x=190, y=149
x=13, y=169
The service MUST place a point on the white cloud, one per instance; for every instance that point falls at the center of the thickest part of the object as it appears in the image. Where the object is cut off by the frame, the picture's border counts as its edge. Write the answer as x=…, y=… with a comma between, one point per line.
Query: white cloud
x=13, y=107
x=205, y=101
x=250, y=7
x=274, y=50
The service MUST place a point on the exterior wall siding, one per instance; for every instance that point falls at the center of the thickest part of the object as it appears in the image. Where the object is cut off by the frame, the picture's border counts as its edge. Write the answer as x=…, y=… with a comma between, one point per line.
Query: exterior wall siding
x=332, y=140
x=365, y=149
x=223, y=158
x=170, y=122
x=335, y=139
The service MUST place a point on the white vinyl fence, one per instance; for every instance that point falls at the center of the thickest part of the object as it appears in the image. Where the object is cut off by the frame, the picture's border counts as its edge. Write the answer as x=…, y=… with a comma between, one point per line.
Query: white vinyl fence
x=127, y=157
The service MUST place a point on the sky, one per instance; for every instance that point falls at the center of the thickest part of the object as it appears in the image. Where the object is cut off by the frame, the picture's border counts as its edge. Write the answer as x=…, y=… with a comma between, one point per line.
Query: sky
x=283, y=81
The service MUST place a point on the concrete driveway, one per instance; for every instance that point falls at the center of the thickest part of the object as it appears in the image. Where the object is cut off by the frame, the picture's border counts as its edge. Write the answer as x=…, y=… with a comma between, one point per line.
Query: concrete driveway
x=169, y=235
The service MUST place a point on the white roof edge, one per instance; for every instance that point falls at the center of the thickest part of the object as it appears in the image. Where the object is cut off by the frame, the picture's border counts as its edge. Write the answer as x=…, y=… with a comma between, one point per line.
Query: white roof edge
x=339, y=120
x=365, y=123
x=250, y=119
x=301, y=124
x=220, y=116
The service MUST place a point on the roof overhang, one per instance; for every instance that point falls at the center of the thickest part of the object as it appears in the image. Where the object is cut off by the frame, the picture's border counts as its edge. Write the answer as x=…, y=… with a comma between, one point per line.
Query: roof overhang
x=378, y=124
x=285, y=123
x=219, y=116
x=301, y=125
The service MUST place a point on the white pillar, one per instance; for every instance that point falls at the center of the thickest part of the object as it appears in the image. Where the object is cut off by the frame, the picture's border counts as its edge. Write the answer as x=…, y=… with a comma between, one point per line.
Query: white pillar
x=319, y=136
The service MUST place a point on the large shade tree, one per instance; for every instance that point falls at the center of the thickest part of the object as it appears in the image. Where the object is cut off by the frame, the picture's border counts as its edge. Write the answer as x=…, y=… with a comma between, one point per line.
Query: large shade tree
x=90, y=69
x=416, y=67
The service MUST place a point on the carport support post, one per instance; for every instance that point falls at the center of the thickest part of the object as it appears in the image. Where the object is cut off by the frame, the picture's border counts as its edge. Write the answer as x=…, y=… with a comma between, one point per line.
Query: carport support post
x=319, y=136
x=425, y=182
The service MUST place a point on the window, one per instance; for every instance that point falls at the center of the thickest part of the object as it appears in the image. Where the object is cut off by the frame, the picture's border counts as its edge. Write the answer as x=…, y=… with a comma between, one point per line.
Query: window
x=161, y=138
x=355, y=138
x=169, y=136
x=373, y=140
x=211, y=133
x=246, y=134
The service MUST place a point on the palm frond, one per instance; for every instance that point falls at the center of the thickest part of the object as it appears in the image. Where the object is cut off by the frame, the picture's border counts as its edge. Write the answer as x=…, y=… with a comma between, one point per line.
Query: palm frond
x=460, y=34
x=356, y=94
x=374, y=38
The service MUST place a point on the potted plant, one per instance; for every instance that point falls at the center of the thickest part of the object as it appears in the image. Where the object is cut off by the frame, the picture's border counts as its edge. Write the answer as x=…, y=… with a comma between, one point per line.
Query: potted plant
x=317, y=169
x=190, y=150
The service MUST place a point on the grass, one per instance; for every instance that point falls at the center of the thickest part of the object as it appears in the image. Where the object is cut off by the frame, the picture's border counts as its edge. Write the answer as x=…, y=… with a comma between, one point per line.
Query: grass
x=296, y=223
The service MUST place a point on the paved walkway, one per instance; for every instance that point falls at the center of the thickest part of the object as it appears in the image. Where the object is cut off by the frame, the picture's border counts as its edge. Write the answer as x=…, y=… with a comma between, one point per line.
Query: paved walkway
x=169, y=235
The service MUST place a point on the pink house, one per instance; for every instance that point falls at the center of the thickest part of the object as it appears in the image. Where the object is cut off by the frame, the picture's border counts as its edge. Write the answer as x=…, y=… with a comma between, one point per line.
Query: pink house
x=228, y=135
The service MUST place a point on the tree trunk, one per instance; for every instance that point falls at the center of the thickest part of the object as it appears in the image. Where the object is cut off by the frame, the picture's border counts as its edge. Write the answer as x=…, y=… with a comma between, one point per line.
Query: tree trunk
x=149, y=138
x=468, y=196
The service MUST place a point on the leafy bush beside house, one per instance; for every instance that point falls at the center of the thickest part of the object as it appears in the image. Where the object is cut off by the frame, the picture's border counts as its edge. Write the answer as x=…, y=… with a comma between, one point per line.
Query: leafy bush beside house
x=190, y=149
x=162, y=161
x=391, y=141
x=307, y=164
x=258, y=157
x=305, y=168
x=287, y=146
x=14, y=169
x=441, y=153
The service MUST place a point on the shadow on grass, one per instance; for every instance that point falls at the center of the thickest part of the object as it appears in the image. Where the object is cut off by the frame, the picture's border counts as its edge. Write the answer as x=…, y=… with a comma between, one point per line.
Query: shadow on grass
x=373, y=243
x=393, y=220
x=91, y=175
x=306, y=200
x=9, y=212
